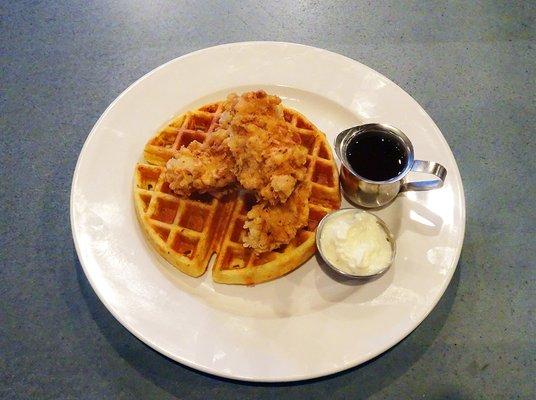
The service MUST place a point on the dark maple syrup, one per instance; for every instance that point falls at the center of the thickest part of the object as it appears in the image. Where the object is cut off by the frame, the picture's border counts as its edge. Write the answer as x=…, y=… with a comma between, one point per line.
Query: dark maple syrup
x=377, y=156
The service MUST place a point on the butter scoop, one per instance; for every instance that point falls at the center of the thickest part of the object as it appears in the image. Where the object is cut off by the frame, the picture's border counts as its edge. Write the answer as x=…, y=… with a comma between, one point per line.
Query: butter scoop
x=355, y=243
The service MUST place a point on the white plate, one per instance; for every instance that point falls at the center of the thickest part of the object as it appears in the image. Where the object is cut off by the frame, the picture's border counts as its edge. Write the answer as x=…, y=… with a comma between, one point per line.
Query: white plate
x=305, y=324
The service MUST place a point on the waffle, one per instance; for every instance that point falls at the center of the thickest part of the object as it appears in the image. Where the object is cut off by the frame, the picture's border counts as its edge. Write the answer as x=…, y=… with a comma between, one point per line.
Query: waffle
x=189, y=231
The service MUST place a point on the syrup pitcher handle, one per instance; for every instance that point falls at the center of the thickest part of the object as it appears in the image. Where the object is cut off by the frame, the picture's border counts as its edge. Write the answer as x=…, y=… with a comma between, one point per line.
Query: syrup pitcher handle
x=427, y=167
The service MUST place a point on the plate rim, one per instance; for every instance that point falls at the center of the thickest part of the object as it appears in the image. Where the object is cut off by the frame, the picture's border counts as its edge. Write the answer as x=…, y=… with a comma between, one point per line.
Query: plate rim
x=213, y=371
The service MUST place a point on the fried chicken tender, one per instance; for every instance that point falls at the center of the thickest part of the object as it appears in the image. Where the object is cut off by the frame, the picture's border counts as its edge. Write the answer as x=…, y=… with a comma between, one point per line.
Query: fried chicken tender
x=268, y=156
x=254, y=148
x=267, y=159
x=270, y=226
x=202, y=167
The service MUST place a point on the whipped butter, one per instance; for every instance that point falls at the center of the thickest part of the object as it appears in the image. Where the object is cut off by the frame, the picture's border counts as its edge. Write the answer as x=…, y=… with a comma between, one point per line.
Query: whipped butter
x=355, y=243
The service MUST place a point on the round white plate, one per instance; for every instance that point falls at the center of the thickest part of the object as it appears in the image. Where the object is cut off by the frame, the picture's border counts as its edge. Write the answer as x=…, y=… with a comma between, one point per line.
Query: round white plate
x=305, y=324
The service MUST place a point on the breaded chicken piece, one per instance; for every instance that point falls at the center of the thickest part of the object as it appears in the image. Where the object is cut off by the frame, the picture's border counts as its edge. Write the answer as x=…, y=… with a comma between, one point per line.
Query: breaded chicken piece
x=269, y=158
x=256, y=148
x=202, y=167
x=270, y=226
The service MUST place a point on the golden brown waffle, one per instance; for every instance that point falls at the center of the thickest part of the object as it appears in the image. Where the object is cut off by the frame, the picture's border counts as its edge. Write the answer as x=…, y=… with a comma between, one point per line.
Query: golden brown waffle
x=188, y=231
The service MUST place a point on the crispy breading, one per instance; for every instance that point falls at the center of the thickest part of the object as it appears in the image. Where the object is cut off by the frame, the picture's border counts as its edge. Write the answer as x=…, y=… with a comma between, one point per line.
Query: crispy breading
x=256, y=148
x=268, y=156
x=202, y=167
x=270, y=226
x=251, y=103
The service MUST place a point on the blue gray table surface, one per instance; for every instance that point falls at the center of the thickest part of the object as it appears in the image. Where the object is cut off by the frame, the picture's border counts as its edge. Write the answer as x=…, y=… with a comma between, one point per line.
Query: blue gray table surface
x=471, y=65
